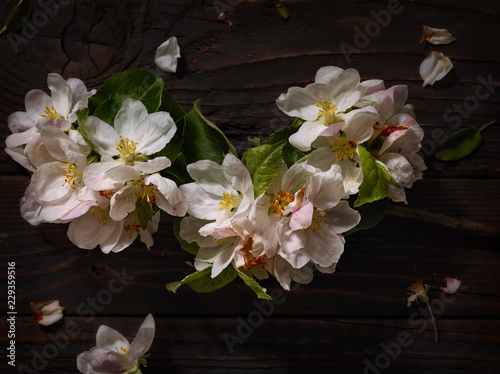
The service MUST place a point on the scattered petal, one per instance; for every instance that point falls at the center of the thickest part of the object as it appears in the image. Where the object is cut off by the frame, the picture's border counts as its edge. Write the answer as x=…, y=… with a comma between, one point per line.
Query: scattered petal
x=167, y=54
x=46, y=312
x=434, y=68
x=437, y=36
x=452, y=285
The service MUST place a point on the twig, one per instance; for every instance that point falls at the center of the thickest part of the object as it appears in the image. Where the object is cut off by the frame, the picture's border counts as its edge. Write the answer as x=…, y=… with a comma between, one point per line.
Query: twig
x=434, y=322
x=460, y=224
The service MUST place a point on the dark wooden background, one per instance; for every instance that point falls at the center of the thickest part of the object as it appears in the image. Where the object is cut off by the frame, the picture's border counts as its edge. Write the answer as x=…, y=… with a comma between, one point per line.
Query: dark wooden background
x=339, y=323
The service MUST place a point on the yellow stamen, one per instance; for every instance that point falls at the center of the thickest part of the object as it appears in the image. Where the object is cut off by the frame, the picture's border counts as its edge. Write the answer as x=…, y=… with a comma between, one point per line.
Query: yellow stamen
x=317, y=221
x=280, y=202
x=344, y=148
x=99, y=215
x=72, y=176
x=221, y=241
x=126, y=148
x=122, y=351
x=230, y=201
x=145, y=192
x=50, y=113
x=327, y=111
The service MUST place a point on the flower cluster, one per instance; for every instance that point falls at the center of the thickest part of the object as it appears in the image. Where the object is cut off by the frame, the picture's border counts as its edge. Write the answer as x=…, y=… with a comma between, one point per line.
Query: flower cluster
x=90, y=173
x=105, y=161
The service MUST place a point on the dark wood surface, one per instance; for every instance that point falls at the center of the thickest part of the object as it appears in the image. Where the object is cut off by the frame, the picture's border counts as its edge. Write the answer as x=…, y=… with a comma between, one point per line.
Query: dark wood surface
x=339, y=323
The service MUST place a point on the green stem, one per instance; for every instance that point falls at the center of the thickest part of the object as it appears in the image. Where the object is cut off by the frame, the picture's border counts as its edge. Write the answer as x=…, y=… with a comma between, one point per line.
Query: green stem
x=488, y=124
x=3, y=30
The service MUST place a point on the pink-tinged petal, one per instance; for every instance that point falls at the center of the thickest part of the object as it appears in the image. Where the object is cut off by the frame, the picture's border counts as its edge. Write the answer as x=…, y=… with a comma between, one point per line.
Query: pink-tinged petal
x=83, y=363
x=290, y=241
x=297, y=177
x=397, y=194
x=307, y=134
x=342, y=217
x=122, y=203
x=170, y=199
x=143, y=339
x=108, y=362
x=60, y=92
x=36, y=151
x=326, y=188
x=452, y=285
x=370, y=86
x=332, y=130
x=36, y=103
x=153, y=166
x=60, y=145
x=123, y=173
x=30, y=208
x=210, y=176
x=18, y=155
x=301, y=219
x=167, y=55
x=79, y=92
x=20, y=138
x=95, y=176
x=327, y=74
x=434, y=68
x=103, y=136
x=359, y=124
x=20, y=122
x=47, y=182
x=301, y=102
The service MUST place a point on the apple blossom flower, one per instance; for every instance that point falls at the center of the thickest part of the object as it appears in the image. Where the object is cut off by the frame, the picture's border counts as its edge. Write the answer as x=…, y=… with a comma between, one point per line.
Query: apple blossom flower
x=327, y=108
x=219, y=192
x=309, y=214
x=114, y=354
x=46, y=313
x=452, y=285
x=59, y=110
x=419, y=292
x=437, y=36
x=434, y=67
x=135, y=135
x=167, y=54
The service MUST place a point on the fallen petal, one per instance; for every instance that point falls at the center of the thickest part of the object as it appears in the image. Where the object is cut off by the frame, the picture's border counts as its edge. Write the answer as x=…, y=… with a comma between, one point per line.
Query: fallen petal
x=452, y=285
x=437, y=36
x=167, y=54
x=46, y=312
x=434, y=67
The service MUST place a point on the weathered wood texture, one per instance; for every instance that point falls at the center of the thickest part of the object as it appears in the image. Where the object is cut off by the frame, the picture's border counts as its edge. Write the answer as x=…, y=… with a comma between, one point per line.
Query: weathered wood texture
x=338, y=323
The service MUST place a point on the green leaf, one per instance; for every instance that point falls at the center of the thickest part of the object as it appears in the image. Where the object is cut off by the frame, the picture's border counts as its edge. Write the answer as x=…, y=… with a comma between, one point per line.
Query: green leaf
x=263, y=164
x=376, y=179
x=82, y=116
x=282, y=11
x=144, y=213
x=371, y=215
x=197, y=108
x=254, y=285
x=202, y=281
x=135, y=84
x=168, y=104
x=172, y=150
x=458, y=145
x=178, y=170
x=191, y=248
x=284, y=133
x=18, y=17
x=292, y=155
x=203, y=141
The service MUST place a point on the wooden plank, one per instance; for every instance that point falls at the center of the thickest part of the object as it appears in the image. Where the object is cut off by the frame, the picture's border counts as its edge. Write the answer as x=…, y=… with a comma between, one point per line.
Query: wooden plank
x=198, y=345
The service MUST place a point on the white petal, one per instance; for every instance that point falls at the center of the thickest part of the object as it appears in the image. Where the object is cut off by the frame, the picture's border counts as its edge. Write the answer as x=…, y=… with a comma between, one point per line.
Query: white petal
x=154, y=133
x=36, y=103
x=103, y=136
x=343, y=91
x=167, y=54
x=359, y=124
x=170, y=199
x=327, y=74
x=223, y=259
x=143, y=339
x=301, y=102
x=307, y=134
x=302, y=218
x=20, y=122
x=109, y=339
x=62, y=97
x=201, y=204
x=324, y=246
x=122, y=203
x=153, y=166
x=342, y=217
x=434, y=68
x=104, y=361
x=437, y=36
x=95, y=175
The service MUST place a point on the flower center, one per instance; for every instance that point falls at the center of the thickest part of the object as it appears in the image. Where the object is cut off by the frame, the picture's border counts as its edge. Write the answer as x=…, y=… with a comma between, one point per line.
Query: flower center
x=280, y=202
x=230, y=201
x=145, y=192
x=123, y=351
x=72, y=176
x=131, y=227
x=343, y=148
x=98, y=214
x=327, y=111
x=51, y=113
x=126, y=149
x=317, y=221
